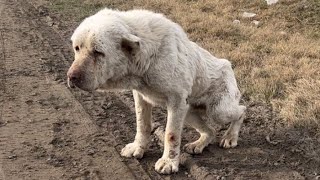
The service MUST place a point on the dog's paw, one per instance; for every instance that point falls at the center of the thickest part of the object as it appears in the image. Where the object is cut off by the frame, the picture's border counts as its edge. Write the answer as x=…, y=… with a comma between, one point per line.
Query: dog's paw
x=133, y=150
x=167, y=165
x=194, y=147
x=229, y=141
x=197, y=146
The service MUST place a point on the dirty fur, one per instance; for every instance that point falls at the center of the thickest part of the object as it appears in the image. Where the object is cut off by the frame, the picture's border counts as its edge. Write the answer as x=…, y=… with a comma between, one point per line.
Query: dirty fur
x=149, y=54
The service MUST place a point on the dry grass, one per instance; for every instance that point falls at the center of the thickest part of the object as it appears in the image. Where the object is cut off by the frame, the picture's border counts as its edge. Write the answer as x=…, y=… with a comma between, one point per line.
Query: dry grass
x=277, y=62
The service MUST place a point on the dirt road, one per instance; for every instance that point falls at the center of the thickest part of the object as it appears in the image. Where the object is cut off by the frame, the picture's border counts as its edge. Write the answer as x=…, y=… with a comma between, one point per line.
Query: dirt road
x=50, y=132
x=45, y=133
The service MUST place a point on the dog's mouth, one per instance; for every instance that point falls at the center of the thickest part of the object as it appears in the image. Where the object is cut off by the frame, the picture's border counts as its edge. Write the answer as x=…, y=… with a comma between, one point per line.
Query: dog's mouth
x=70, y=84
x=81, y=86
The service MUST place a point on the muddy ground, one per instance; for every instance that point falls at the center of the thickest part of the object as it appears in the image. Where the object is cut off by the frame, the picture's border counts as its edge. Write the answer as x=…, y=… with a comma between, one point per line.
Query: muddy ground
x=48, y=131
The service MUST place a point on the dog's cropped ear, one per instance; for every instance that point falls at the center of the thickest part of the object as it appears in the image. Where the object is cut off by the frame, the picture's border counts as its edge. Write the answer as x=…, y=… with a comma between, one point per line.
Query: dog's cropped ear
x=130, y=45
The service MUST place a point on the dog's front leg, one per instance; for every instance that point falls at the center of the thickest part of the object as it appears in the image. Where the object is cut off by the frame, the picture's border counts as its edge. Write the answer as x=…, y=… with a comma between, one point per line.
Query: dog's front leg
x=143, y=119
x=169, y=162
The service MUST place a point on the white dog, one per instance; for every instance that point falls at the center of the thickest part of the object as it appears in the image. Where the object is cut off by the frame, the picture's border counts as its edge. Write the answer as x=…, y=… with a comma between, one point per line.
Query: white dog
x=147, y=53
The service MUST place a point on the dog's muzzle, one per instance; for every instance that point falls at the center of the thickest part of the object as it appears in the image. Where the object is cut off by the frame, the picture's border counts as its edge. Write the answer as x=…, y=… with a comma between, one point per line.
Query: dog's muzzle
x=74, y=78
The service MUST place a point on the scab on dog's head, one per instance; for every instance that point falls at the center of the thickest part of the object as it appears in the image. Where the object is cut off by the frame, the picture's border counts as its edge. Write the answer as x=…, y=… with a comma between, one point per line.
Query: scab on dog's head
x=104, y=48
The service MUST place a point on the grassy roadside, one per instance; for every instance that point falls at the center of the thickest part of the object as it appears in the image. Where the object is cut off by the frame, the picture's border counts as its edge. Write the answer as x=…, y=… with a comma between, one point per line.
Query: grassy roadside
x=276, y=62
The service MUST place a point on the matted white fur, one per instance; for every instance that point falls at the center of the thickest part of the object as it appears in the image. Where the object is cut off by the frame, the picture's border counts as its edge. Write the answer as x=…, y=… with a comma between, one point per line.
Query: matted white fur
x=145, y=52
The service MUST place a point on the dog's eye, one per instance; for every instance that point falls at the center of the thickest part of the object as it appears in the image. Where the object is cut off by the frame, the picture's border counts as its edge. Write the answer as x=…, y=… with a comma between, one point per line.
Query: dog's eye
x=77, y=48
x=98, y=53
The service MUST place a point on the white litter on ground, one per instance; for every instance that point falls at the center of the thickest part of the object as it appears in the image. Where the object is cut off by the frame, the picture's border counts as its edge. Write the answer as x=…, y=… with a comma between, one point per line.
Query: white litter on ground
x=236, y=21
x=269, y=2
x=255, y=22
x=248, y=15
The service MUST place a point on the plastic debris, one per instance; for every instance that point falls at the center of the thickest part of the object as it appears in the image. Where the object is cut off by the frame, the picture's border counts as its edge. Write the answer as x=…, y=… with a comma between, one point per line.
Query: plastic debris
x=248, y=15
x=270, y=2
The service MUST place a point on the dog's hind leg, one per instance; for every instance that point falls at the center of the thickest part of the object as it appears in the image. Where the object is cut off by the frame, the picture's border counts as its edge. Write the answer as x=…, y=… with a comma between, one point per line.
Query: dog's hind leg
x=230, y=138
x=206, y=134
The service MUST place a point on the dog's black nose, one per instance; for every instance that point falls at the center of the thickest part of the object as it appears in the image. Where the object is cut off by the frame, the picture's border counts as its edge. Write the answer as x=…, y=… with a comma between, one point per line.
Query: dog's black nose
x=74, y=76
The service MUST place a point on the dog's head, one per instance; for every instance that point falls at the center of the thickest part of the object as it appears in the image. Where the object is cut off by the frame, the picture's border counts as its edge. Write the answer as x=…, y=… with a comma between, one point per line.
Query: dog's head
x=104, y=48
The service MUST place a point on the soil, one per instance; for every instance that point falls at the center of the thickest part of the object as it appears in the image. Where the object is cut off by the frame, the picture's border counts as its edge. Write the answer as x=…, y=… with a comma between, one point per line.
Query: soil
x=48, y=131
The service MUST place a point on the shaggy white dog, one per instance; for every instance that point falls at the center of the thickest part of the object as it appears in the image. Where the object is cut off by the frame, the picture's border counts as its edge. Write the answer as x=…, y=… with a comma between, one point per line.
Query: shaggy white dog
x=152, y=56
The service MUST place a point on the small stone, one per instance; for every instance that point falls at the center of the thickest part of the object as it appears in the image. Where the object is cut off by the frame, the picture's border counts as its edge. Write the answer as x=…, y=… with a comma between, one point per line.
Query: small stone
x=255, y=22
x=283, y=33
x=29, y=102
x=248, y=15
x=236, y=21
x=42, y=11
x=49, y=20
x=106, y=106
x=56, y=78
x=34, y=94
x=12, y=156
x=91, y=152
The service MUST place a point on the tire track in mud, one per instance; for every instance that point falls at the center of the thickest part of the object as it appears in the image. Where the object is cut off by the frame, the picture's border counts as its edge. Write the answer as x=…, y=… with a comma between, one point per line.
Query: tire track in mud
x=57, y=65
x=49, y=134
x=2, y=83
x=2, y=78
x=2, y=70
